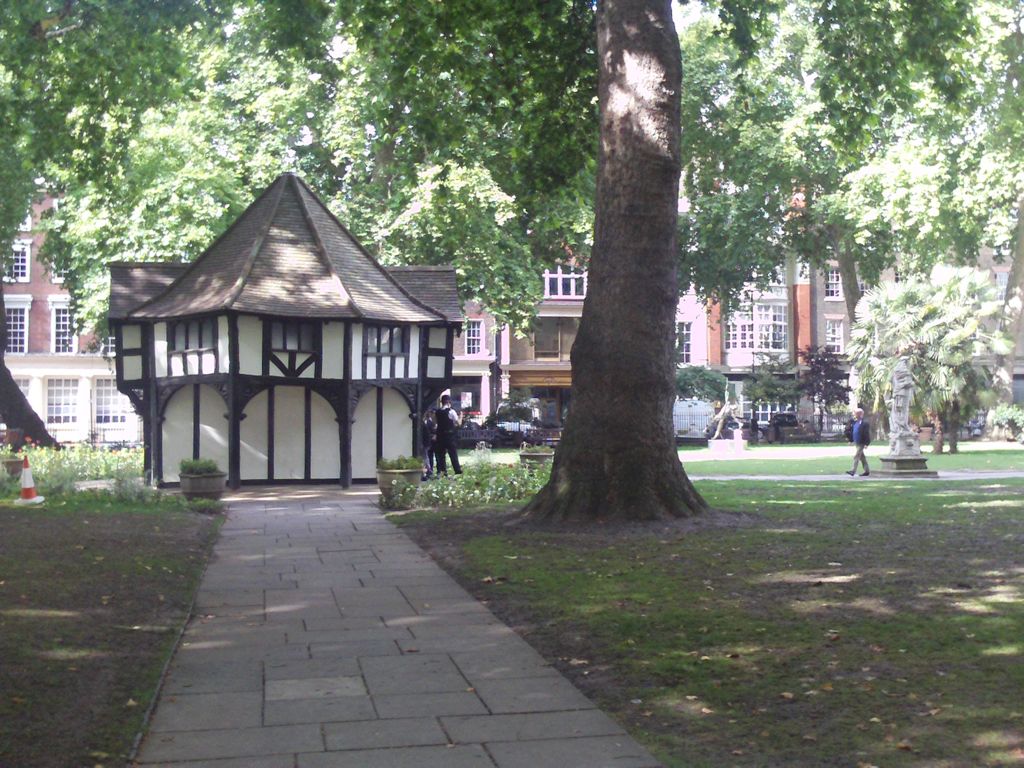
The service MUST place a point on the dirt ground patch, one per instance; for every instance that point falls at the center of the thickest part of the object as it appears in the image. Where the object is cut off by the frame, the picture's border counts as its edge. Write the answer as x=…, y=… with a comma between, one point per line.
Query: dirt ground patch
x=93, y=594
x=808, y=625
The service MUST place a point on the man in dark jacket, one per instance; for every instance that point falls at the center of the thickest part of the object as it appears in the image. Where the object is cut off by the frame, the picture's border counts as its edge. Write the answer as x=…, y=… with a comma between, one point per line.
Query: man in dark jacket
x=447, y=442
x=861, y=435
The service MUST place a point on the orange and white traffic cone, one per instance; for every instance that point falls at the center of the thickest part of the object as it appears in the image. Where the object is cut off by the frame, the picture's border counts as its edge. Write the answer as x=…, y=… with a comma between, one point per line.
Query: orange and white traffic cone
x=28, y=487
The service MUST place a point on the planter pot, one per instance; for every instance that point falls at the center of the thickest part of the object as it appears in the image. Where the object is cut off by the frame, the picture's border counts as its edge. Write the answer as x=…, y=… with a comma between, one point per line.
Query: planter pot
x=534, y=459
x=203, y=486
x=13, y=466
x=386, y=477
x=925, y=434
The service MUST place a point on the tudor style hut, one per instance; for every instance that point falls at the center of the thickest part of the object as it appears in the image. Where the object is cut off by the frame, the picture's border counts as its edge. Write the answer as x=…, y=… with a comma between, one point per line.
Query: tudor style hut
x=285, y=351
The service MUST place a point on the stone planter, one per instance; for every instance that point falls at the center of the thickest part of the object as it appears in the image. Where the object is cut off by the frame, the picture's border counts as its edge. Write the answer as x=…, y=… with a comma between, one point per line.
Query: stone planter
x=536, y=459
x=389, y=479
x=203, y=486
x=13, y=465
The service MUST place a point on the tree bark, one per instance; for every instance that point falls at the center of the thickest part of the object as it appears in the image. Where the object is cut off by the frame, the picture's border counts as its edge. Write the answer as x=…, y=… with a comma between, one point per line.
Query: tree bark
x=1011, y=322
x=15, y=411
x=848, y=276
x=617, y=457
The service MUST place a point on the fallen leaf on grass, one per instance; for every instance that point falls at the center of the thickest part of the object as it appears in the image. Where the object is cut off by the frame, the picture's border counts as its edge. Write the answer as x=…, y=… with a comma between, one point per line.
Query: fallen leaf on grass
x=131, y=703
x=787, y=696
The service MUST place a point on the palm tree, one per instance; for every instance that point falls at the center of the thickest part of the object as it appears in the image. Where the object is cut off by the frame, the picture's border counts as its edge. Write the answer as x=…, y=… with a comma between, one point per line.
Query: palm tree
x=944, y=325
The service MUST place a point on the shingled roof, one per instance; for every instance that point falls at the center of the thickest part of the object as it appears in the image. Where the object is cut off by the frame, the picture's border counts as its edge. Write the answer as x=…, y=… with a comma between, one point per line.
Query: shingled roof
x=133, y=283
x=288, y=255
x=434, y=286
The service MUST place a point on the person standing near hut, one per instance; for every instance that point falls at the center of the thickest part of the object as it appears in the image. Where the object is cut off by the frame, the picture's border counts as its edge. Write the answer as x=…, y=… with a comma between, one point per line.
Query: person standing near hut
x=428, y=439
x=447, y=437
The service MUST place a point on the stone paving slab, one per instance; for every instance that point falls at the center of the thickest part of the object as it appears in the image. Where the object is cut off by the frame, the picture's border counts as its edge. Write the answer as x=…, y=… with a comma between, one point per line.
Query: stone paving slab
x=325, y=637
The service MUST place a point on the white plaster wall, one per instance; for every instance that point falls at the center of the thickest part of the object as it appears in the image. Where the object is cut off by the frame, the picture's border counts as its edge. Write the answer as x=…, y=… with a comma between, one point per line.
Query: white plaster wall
x=213, y=427
x=177, y=365
x=398, y=365
x=177, y=432
x=325, y=463
x=160, y=348
x=364, y=437
x=132, y=367
x=438, y=338
x=253, y=433
x=250, y=345
x=209, y=363
x=386, y=364
x=223, y=346
x=131, y=337
x=357, y=354
x=397, y=425
x=334, y=350
x=371, y=368
x=289, y=433
x=414, y=350
x=435, y=367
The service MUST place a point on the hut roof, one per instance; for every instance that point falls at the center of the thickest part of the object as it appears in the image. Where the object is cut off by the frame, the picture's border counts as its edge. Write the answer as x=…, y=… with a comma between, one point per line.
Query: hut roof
x=133, y=283
x=288, y=255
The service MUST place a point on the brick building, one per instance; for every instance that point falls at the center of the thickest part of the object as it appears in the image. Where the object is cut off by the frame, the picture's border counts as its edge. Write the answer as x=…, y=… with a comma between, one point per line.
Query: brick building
x=67, y=377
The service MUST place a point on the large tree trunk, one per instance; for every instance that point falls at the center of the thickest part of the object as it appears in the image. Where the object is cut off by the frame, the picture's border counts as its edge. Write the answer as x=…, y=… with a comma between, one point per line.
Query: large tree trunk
x=15, y=411
x=617, y=457
x=1011, y=322
x=848, y=276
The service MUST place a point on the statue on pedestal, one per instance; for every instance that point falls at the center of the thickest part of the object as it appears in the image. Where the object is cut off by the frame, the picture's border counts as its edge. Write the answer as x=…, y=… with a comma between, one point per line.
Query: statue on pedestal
x=723, y=417
x=903, y=441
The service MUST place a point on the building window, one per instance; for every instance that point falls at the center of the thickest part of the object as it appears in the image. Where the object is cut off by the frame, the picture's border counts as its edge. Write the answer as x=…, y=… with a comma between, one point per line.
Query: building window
x=292, y=336
x=23, y=384
x=63, y=336
x=111, y=406
x=61, y=401
x=17, y=330
x=193, y=334
x=683, y=342
x=563, y=283
x=553, y=337
x=1002, y=280
x=770, y=320
x=17, y=267
x=834, y=336
x=386, y=341
x=474, y=336
x=833, y=284
x=739, y=333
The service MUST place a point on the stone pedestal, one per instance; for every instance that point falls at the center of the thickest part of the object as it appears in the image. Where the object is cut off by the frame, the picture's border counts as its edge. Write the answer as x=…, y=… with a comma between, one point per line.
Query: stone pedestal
x=905, y=458
x=723, y=447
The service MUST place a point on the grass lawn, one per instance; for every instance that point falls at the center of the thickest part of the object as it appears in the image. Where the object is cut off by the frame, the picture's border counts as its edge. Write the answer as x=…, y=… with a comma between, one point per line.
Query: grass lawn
x=92, y=595
x=783, y=460
x=831, y=624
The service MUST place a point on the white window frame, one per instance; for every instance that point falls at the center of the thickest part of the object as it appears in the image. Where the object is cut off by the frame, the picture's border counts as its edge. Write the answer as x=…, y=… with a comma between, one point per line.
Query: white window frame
x=20, y=247
x=833, y=284
x=771, y=326
x=1002, y=278
x=23, y=303
x=562, y=283
x=24, y=383
x=474, y=336
x=28, y=224
x=739, y=331
x=112, y=407
x=64, y=411
x=834, y=335
x=62, y=304
x=684, y=342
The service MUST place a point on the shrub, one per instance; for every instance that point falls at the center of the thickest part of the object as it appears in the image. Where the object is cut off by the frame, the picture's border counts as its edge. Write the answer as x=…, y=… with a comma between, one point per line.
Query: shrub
x=85, y=462
x=482, y=484
x=1010, y=418
x=402, y=462
x=538, y=448
x=401, y=495
x=206, y=506
x=129, y=487
x=56, y=480
x=199, y=467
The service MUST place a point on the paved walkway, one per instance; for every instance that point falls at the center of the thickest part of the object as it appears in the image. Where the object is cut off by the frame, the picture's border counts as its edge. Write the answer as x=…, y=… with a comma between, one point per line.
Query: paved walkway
x=324, y=637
